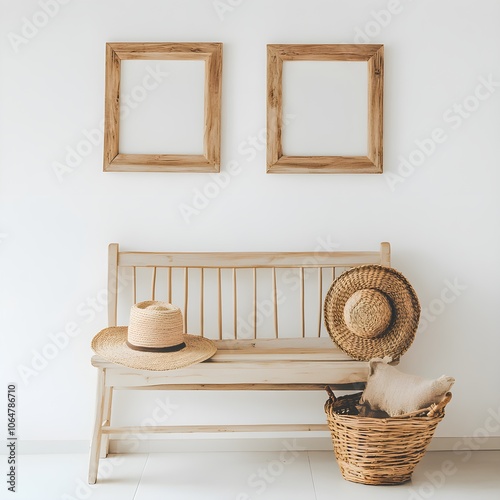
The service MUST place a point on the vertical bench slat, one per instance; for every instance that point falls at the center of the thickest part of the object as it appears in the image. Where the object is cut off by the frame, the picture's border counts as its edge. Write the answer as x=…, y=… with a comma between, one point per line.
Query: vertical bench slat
x=153, y=284
x=302, y=314
x=275, y=303
x=254, y=302
x=202, y=297
x=169, y=285
x=219, y=304
x=320, y=298
x=186, y=290
x=235, y=305
x=112, y=283
x=134, y=287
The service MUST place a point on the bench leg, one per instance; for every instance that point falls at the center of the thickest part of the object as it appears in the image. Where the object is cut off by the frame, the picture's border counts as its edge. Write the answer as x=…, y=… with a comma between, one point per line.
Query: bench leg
x=108, y=401
x=97, y=435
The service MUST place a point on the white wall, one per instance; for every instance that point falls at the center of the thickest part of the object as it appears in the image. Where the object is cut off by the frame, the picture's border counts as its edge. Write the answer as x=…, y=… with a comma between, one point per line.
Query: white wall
x=441, y=218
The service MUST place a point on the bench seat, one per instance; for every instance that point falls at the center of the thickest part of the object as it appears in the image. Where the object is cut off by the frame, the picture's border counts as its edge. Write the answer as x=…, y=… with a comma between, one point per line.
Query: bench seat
x=252, y=365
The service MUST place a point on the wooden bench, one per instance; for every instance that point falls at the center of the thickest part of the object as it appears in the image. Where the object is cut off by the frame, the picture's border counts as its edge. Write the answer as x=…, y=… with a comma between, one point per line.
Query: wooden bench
x=264, y=311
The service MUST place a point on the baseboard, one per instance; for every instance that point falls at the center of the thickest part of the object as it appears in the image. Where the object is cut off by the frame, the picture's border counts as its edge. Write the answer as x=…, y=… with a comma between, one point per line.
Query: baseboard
x=461, y=444
x=209, y=443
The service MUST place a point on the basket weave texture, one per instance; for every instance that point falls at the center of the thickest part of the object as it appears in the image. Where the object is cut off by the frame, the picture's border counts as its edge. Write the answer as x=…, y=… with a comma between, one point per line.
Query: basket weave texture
x=379, y=451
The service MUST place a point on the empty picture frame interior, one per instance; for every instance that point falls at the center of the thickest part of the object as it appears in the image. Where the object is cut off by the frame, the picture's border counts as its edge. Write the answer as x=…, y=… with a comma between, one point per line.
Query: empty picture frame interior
x=277, y=162
x=209, y=161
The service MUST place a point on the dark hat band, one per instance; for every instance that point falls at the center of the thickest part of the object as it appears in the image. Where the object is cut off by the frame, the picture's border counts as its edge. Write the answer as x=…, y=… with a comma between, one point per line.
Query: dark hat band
x=172, y=348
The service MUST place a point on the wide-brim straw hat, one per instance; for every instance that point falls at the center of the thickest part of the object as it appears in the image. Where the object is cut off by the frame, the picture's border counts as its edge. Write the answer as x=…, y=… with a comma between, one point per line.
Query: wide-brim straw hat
x=372, y=311
x=154, y=340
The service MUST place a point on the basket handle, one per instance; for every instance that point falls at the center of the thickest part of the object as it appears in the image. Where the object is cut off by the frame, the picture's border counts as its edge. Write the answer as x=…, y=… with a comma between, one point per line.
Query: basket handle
x=434, y=409
x=331, y=395
x=431, y=411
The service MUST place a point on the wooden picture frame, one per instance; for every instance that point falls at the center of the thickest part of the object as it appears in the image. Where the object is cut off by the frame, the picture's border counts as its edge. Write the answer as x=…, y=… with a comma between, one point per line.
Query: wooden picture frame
x=277, y=162
x=209, y=161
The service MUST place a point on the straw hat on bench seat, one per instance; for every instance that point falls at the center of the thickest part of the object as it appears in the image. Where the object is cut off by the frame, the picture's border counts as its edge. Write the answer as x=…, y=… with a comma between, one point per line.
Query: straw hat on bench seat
x=154, y=340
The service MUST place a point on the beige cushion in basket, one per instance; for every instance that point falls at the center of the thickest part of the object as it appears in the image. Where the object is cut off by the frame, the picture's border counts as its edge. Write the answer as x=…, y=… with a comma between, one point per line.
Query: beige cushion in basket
x=395, y=393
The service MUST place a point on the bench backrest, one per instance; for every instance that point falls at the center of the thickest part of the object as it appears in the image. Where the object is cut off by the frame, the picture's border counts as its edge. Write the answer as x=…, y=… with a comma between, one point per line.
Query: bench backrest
x=233, y=295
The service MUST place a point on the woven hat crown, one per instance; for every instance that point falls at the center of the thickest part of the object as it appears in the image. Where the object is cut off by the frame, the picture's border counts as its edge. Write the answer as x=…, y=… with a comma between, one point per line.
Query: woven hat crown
x=155, y=325
x=367, y=313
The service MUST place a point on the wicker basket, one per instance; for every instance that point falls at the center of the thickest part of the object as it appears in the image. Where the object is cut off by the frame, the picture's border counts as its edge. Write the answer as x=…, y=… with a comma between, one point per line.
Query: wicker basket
x=379, y=450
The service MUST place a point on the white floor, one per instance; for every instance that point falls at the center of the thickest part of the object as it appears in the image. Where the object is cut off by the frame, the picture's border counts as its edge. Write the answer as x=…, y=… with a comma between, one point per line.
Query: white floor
x=293, y=475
